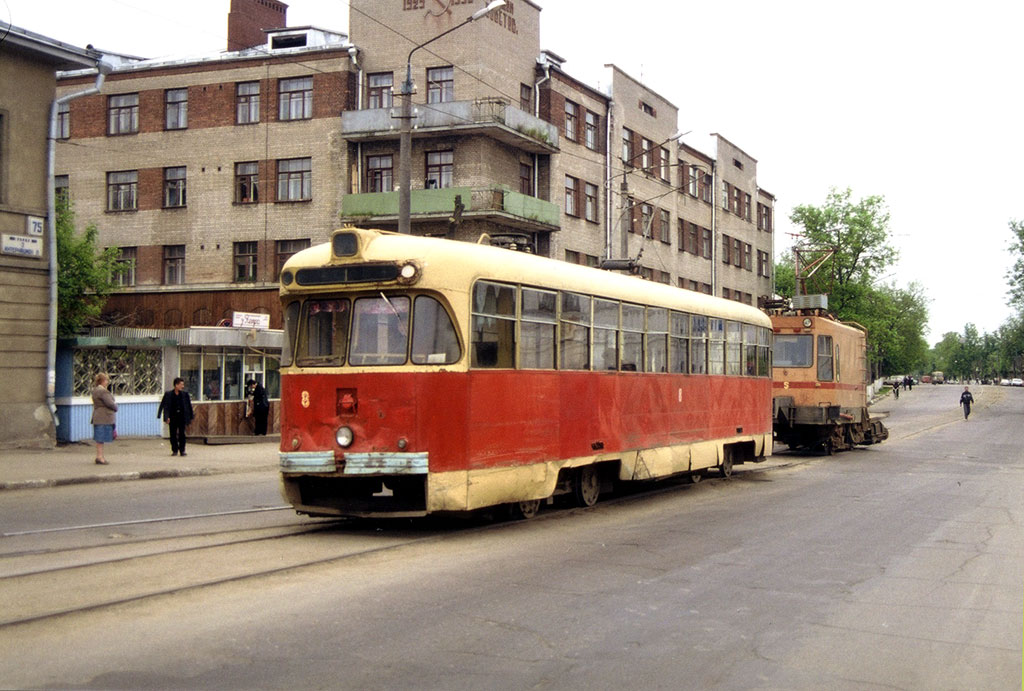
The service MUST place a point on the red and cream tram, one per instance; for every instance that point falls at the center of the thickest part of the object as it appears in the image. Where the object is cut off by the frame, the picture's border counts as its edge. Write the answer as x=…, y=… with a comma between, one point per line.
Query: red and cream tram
x=423, y=375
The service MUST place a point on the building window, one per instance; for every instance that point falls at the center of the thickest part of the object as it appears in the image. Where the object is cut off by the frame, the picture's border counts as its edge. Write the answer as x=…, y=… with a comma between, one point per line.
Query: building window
x=692, y=182
x=62, y=188
x=737, y=252
x=646, y=219
x=284, y=249
x=296, y=98
x=526, y=179
x=122, y=190
x=124, y=269
x=440, y=84
x=627, y=147
x=123, y=114
x=571, y=186
x=764, y=217
x=294, y=179
x=174, y=187
x=705, y=243
x=64, y=120
x=176, y=109
x=591, y=127
x=763, y=265
x=666, y=168
x=647, y=108
x=665, y=227
x=645, y=154
x=526, y=98
x=380, y=89
x=572, y=120
x=247, y=182
x=174, y=265
x=247, y=103
x=748, y=251
x=379, y=173
x=590, y=202
x=746, y=206
x=246, y=261
x=440, y=169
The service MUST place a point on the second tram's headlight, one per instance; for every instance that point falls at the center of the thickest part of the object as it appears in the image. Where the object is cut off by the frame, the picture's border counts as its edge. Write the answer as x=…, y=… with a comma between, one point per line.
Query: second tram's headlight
x=345, y=436
x=408, y=271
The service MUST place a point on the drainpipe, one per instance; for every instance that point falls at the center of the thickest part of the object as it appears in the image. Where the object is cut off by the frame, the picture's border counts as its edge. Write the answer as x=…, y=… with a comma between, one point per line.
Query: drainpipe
x=714, y=226
x=102, y=70
x=608, y=205
x=536, y=114
x=353, y=54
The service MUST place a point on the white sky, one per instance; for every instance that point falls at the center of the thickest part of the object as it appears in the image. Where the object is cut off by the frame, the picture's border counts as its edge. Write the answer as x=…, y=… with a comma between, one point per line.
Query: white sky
x=916, y=101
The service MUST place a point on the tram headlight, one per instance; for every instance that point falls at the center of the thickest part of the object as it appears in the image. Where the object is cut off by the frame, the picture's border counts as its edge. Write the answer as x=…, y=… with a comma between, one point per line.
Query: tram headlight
x=345, y=436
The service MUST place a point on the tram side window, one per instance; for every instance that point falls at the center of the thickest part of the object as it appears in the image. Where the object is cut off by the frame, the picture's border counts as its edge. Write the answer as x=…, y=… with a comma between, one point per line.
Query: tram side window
x=538, y=319
x=657, y=339
x=324, y=338
x=825, y=358
x=291, y=330
x=380, y=331
x=494, y=325
x=716, y=346
x=679, y=343
x=632, y=338
x=733, y=348
x=764, y=351
x=574, y=342
x=793, y=350
x=606, y=334
x=434, y=341
x=750, y=350
x=699, y=345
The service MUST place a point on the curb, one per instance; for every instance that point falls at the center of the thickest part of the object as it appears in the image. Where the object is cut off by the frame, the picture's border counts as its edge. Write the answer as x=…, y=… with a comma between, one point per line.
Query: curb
x=127, y=476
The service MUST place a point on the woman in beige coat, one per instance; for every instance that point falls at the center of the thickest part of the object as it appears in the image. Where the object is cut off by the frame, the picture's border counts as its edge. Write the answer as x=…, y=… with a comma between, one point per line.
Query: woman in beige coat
x=104, y=414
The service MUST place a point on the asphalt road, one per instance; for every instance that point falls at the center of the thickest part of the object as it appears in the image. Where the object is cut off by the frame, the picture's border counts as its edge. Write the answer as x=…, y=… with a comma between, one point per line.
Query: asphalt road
x=896, y=566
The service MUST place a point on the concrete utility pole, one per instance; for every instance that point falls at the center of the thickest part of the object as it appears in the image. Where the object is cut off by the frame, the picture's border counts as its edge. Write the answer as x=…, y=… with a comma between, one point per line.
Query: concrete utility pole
x=405, y=136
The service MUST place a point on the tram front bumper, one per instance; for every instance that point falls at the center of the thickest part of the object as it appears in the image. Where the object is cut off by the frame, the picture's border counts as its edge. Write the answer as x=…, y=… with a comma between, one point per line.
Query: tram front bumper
x=376, y=463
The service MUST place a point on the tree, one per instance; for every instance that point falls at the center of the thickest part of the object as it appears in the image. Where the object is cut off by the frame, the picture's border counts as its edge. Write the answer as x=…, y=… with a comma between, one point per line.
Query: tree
x=1015, y=276
x=84, y=273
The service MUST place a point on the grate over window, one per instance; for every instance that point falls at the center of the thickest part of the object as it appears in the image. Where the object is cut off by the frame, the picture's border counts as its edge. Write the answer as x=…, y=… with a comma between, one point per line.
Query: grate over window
x=133, y=371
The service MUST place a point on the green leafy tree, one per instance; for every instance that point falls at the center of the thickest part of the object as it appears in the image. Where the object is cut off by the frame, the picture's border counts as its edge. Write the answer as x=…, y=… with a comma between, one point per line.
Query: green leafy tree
x=84, y=272
x=1015, y=276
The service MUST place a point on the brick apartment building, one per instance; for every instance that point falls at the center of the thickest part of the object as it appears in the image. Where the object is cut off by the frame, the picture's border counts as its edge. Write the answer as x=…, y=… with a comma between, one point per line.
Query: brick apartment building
x=209, y=173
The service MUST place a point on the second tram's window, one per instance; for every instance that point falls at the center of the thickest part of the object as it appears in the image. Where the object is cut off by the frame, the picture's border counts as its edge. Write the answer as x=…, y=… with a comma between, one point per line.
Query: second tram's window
x=291, y=329
x=632, y=338
x=750, y=350
x=716, y=346
x=679, y=343
x=657, y=339
x=574, y=342
x=324, y=336
x=793, y=350
x=537, y=329
x=380, y=331
x=494, y=325
x=606, y=335
x=434, y=341
x=764, y=352
x=825, y=358
x=699, y=345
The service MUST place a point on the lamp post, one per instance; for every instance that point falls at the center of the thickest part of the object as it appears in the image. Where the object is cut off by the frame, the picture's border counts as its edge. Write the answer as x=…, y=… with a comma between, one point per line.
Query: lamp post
x=405, y=137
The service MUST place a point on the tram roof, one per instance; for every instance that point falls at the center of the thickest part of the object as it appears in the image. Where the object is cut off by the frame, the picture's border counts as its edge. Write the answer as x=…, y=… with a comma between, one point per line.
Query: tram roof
x=463, y=263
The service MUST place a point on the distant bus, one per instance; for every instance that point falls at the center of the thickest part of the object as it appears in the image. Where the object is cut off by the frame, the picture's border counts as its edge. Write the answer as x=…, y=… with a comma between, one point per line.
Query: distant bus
x=938, y=378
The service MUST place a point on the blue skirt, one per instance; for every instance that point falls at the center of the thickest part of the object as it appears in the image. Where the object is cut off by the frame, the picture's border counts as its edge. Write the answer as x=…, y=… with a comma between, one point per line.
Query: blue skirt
x=102, y=434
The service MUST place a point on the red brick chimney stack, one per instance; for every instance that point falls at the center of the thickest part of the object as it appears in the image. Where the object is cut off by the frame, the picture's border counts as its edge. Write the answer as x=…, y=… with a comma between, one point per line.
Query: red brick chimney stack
x=248, y=18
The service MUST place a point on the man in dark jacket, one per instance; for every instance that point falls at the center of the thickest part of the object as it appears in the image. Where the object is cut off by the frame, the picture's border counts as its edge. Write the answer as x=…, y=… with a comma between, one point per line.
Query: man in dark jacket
x=176, y=408
x=966, y=399
x=260, y=407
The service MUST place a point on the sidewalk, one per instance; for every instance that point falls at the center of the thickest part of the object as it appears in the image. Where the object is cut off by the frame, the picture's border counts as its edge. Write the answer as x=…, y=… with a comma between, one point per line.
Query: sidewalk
x=132, y=459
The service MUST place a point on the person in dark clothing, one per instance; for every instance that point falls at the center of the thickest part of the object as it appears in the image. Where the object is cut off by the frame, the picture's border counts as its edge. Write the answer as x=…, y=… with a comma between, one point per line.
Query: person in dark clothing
x=259, y=407
x=966, y=399
x=176, y=409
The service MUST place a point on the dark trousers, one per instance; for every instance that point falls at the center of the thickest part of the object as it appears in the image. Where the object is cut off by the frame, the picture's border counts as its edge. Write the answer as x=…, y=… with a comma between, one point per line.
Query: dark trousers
x=177, y=435
x=259, y=416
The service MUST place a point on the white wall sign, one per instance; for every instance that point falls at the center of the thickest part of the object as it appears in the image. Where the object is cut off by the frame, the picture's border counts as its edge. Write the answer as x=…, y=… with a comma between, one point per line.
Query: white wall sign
x=22, y=246
x=250, y=320
x=34, y=225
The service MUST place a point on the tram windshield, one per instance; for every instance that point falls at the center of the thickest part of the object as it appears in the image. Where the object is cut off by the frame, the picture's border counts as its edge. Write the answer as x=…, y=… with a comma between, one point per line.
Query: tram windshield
x=793, y=350
x=372, y=330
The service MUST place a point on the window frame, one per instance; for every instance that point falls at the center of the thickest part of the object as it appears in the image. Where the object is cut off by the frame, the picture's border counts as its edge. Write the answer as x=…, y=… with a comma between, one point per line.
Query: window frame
x=173, y=265
x=247, y=102
x=440, y=84
x=176, y=109
x=380, y=178
x=287, y=177
x=175, y=187
x=247, y=182
x=122, y=114
x=295, y=98
x=382, y=93
x=245, y=261
x=123, y=194
x=440, y=169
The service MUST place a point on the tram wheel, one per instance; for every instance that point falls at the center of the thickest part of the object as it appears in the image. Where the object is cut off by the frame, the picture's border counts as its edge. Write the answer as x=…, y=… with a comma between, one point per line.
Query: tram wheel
x=586, y=486
x=726, y=466
x=524, y=510
x=695, y=477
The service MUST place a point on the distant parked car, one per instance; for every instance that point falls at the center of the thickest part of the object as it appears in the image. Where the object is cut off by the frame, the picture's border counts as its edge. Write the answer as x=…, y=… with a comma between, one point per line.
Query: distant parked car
x=1017, y=381
x=1004, y=382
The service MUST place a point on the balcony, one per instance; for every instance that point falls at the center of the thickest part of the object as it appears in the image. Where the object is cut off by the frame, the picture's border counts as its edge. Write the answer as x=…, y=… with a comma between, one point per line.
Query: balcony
x=490, y=117
x=497, y=204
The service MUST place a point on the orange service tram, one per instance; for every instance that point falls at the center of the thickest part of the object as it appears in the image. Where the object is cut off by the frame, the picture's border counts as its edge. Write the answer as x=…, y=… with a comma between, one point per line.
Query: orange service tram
x=423, y=375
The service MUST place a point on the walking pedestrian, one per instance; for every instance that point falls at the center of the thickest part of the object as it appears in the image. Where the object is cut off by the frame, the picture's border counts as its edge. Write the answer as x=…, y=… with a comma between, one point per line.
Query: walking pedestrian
x=966, y=399
x=104, y=415
x=176, y=407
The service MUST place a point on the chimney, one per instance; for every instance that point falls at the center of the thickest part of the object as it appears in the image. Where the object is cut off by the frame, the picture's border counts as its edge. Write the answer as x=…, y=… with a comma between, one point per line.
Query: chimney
x=248, y=18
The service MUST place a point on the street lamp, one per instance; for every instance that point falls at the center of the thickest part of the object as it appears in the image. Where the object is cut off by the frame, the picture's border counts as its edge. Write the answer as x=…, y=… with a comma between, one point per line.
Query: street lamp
x=405, y=138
